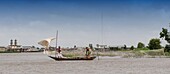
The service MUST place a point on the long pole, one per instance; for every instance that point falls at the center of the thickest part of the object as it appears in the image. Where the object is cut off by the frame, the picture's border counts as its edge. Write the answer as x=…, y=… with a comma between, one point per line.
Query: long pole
x=101, y=33
x=56, y=43
x=102, y=27
x=169, y=24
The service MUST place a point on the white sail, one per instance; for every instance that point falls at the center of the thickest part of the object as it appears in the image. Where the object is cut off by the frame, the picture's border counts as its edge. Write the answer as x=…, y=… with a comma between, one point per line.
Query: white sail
x=46, y=43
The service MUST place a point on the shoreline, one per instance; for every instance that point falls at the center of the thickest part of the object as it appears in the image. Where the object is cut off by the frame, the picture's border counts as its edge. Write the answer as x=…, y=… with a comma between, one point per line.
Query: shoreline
x=124, y=54
x=121, y=53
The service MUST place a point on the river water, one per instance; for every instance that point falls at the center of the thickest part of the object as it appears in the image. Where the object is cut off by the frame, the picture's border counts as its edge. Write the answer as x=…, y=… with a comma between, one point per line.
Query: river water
x=38, y=63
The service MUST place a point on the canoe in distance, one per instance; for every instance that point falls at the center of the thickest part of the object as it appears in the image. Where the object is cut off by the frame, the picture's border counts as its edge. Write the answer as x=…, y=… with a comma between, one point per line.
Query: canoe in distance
x=72, y=58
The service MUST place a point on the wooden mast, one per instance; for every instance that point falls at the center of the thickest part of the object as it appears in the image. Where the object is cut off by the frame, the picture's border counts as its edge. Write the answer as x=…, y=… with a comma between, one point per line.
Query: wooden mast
x=56, y=43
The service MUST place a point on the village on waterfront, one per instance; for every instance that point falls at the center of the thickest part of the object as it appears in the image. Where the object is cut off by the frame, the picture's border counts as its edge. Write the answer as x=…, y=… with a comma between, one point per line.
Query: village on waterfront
x=84, y=36
x=154, y=49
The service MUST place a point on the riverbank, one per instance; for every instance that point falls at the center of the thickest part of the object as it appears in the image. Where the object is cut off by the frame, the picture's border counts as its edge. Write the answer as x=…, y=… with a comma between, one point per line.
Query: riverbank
x=122, y=53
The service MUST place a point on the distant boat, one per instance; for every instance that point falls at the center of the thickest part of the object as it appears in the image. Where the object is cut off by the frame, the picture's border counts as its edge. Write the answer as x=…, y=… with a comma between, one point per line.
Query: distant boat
x=72, y=58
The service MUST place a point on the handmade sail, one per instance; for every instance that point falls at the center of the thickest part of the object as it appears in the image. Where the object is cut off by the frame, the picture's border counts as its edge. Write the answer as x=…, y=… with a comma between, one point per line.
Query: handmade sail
x=46, y=43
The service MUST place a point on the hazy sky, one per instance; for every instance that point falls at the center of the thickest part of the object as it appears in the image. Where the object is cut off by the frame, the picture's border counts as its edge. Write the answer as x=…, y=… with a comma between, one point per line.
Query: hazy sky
x=79, y=22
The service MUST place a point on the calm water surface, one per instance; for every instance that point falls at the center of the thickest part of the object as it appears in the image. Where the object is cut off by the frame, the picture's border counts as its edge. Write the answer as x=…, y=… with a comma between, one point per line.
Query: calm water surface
x=38, y=63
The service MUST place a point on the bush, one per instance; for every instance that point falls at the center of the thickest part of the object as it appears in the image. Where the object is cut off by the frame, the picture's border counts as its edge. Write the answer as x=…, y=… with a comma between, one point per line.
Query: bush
x=154, y=44
x=142, y=48
x=114, y=48
x=132, y=47
x=167, y=53
x=167, y=48
x=155, y=52
x=140, y=45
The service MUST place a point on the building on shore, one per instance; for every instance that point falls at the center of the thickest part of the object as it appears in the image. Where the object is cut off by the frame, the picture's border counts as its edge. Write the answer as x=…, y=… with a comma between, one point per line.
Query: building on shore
x=30, y=49
x=13, y=46
x=113, y=47
x=2, y=48
x=101, y=47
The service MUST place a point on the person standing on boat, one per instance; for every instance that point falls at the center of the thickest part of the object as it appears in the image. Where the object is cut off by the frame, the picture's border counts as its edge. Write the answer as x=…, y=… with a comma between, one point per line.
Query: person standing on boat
x=88, y=52
x=59, y=52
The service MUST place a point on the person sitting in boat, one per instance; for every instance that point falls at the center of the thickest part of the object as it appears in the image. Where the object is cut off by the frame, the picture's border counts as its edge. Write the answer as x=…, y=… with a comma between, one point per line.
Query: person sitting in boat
x=88, y=52
x=59, y=53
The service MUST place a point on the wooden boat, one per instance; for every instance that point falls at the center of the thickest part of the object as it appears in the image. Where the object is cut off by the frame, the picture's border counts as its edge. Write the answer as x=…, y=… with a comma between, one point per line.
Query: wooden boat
x=72, y=58
x=69, y=58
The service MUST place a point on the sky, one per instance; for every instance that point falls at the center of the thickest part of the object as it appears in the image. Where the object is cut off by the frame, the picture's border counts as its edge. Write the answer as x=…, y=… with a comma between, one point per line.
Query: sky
x=83, y=22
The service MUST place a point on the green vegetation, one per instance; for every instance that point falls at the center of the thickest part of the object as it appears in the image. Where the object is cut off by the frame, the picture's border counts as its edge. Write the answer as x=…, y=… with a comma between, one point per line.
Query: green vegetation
x=164, y=34
x=167, y=54
x=70, y=55
x=159, y=52
x=154, y=44
x=145, y=48
x=132, y=47
x=136, y=53
x=148, y=53
x=167, y=48
x=105, y=54
x=140, y=45
x=9, y=52
x=73, y=53
x=114, y=48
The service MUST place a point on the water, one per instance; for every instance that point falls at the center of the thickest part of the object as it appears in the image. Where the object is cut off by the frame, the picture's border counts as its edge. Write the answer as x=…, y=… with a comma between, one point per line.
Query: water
x=38, y=63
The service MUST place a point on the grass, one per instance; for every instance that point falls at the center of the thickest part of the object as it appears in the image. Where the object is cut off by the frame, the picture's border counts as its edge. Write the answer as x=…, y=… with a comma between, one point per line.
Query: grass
x=104, y=54
x=71, y=55
x=149, y=53
x=137, y=53
x=167, y=54
x=156, y=52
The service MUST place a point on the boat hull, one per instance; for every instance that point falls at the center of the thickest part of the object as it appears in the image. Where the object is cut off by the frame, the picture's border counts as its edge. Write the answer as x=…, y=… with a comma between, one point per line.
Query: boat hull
x=72, y=58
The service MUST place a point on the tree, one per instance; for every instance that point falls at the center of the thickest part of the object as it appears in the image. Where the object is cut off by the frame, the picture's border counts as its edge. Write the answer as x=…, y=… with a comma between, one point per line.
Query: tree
x=140, y=45
x=163, y=34
x=125, y=47
x=132, y=47
x=75, y=46
x=97, y=45
x=154, y=43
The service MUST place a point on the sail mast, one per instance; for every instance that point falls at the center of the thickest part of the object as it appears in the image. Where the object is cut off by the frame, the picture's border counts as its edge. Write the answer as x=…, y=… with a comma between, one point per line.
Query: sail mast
x=56, y=43
x=102, y=28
